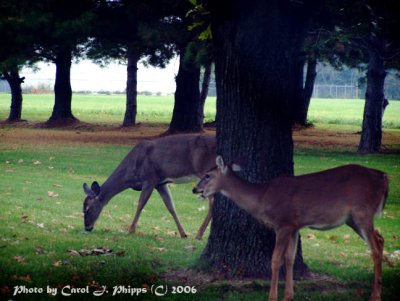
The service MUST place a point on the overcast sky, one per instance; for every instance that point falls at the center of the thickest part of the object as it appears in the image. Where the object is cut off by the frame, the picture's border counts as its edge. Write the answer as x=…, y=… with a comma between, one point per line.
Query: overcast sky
x=88, y=76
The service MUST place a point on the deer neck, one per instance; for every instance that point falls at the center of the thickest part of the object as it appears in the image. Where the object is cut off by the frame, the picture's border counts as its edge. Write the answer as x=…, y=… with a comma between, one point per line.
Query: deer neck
x=246, y=195
x=113, y=185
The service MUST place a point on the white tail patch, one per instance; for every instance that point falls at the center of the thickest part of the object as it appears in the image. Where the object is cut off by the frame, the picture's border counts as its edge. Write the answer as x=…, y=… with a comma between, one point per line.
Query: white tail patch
x=379, y=210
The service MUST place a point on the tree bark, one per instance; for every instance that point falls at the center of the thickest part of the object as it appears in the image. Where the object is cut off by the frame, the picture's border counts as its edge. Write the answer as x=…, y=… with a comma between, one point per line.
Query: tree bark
x=187, y=115
x=205, y=85
x=255, y=49
x=131, y=88
x=15, y=81
x=371, y=135
x=62, y=112
x=306, y=90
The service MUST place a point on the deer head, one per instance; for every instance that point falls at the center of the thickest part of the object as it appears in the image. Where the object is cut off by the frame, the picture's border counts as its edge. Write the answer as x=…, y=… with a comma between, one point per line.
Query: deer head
x=91, y=205
x=213, y=181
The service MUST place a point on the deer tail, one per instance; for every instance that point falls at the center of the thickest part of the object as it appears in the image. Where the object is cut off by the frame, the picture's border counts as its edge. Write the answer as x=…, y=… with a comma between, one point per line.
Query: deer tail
x=385, y=179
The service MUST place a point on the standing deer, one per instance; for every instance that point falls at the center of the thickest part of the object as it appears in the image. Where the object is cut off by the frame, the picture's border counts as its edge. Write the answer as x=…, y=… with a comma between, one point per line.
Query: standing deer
x=152, y=165
x=350, y=194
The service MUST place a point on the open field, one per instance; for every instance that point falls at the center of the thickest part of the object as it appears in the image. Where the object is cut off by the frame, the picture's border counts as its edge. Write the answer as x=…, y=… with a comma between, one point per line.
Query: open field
x=106, y=109
x=41, y=177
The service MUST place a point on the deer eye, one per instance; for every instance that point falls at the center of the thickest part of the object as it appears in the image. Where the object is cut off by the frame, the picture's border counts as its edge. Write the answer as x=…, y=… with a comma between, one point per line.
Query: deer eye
x=207, y=177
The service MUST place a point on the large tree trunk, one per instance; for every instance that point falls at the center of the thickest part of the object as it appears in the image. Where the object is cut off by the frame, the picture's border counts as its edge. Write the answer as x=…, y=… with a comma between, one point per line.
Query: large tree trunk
x=187, y=115
x=306, y=90
x=15, y=81
x=371, y=135
x=62, y=113
x=205, y=85
x=256, y=45
x=131, y=88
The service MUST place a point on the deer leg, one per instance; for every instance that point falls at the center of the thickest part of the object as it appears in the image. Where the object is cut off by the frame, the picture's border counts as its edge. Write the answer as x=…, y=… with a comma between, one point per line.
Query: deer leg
x=144, y=197
x=363, y=226
x=376, y=242
x=281, y=243
x=206, y=221
x=165, y=194
x=289, y=261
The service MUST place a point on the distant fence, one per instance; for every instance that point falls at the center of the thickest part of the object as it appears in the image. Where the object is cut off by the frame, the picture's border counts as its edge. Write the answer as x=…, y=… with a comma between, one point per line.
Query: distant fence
x=320, y=91
x=336, y=91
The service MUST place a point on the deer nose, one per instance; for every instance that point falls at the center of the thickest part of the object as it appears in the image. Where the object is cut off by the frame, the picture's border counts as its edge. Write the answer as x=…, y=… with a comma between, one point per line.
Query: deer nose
x=88, y=229
x=195, y=190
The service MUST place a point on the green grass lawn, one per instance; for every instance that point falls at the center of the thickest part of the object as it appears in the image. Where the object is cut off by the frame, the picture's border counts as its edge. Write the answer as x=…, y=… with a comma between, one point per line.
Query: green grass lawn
x=111, y=108
x=41, y=221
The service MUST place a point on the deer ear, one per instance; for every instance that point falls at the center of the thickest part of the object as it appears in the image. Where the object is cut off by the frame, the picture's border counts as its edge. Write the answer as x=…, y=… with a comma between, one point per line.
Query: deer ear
x=221, y=165
x=219, y=161
x=96, y=188
x=87, y=190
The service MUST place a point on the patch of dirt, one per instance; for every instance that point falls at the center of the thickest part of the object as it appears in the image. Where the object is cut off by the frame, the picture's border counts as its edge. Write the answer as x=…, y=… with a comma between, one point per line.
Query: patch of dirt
x=312, y=137
x=30, y=133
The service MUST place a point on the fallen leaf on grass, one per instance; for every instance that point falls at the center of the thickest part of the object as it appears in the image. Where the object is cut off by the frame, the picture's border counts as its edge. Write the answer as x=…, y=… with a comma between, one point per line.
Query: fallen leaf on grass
x=21, y=161
x=8, y=162
x=71, y=171
x=95, y=252
x=52, y=194
x=75, y=278
x=40, y=251
x=310, y=236
x=19, y=259
x=159, y=249
x=23, y=218
x=73, y=253
x=58, y=185
x=26, y=278
x=190, y=248
x=157, y=228
x=40, y=225
x=362, y=254
x=395, y=254
x=36, y=162
x=390, y=261
x=172, y=233
x=57, y=263
x=158, y=237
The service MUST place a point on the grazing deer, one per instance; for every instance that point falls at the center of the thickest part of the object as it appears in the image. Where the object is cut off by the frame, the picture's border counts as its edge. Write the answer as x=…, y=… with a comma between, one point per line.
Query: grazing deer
x=152, y=165
x=350, y=194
